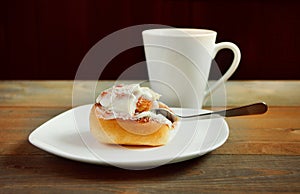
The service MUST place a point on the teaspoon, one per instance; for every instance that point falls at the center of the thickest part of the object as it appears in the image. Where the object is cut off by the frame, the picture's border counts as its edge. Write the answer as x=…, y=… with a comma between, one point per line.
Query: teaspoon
x=251, y=109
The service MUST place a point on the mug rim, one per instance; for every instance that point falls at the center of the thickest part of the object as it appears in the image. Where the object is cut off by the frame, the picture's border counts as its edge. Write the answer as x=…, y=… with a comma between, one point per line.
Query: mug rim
x=173, y=32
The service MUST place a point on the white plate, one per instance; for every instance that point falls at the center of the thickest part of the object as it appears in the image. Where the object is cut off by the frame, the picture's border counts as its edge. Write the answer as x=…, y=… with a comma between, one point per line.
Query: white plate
x=67, y=135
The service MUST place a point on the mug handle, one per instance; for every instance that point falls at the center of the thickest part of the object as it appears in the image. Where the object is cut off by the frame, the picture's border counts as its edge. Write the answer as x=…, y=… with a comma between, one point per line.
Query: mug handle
x=235, y=63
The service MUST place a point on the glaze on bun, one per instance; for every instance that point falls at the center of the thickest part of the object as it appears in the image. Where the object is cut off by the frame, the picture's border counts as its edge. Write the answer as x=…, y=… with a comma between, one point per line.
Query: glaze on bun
x=121, y=115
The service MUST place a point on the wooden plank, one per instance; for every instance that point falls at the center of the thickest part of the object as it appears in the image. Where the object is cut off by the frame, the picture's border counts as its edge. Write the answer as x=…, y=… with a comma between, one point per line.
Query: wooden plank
x=274, y=92
x=275, y=117
x=210, y=173
x=35, y=93
x=50, y=93
x=59, y=93
x=261, y=155
x=276, y=132
x=20, y=117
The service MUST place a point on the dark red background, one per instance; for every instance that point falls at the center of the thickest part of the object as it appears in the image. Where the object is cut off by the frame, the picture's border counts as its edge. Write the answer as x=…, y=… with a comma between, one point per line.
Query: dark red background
x=47, y=39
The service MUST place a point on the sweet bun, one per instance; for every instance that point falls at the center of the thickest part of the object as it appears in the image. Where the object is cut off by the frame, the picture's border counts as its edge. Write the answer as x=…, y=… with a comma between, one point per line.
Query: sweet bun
x=122, y=115
x=128, y=132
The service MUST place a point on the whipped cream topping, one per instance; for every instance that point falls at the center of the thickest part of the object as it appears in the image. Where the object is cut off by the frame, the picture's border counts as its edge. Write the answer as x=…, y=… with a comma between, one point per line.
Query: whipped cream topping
x=120, y=102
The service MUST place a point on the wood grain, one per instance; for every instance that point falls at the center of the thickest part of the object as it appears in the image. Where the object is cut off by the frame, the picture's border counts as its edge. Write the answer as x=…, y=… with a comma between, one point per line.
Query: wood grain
x=262, y=134
x=261, y=155
x=234, y=174
x=59, y=93
x=274, y=93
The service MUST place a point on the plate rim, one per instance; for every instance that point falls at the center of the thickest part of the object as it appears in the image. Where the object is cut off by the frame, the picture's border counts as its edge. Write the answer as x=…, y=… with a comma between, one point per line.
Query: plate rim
x=34, y=140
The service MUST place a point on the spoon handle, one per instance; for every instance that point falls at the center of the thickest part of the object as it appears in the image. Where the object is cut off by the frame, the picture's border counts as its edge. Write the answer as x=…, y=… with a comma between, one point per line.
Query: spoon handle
x=251, y=109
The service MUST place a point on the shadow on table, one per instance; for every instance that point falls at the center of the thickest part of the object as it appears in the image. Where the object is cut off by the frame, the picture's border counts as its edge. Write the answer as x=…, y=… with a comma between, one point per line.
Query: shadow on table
x=33, y=162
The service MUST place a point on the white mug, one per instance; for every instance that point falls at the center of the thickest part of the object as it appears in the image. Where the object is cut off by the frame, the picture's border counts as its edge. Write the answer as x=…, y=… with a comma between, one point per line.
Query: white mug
x=179, y=61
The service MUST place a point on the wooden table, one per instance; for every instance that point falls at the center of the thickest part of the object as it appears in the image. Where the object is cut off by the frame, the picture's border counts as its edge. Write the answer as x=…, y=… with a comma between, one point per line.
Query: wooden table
x=262, y=153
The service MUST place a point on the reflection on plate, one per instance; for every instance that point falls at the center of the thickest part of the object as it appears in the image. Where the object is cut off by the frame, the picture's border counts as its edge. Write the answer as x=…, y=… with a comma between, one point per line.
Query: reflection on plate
x=67, y=135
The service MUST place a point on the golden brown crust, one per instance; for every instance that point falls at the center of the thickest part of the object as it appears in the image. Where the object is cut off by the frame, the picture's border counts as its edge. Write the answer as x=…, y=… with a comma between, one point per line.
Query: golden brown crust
x=128, y=132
